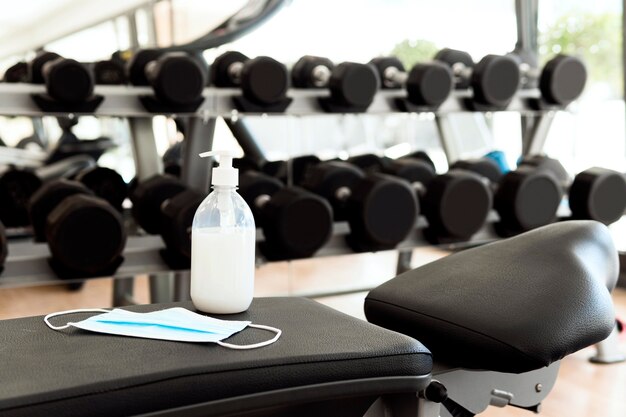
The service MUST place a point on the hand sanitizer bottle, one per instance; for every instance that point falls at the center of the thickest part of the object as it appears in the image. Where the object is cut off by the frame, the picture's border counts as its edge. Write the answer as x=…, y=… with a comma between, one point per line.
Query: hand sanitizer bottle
x=223, y=239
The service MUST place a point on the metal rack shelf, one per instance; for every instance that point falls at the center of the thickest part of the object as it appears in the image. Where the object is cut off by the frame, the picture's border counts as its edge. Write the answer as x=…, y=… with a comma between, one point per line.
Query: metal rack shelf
x=123, y=101
x=27, y=263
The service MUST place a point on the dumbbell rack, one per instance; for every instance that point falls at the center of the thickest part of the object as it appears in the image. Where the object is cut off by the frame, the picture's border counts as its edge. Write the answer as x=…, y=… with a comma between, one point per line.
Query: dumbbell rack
x=27, y=263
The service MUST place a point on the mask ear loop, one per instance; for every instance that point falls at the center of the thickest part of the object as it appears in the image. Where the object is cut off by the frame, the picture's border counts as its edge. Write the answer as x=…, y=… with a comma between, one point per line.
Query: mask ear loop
x=62, y=313
x=256, y=345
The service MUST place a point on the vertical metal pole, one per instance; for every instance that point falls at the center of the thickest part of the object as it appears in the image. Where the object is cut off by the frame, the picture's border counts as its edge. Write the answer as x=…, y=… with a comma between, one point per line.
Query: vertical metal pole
x=243, y=136
x=133, y=34
x=123, y=292
x=404, y=261
x=196, y=172
x=147, y=160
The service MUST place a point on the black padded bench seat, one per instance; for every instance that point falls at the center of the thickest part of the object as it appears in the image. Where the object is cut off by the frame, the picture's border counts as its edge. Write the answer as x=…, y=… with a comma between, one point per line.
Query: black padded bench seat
x=74, y=372
x=510, y=306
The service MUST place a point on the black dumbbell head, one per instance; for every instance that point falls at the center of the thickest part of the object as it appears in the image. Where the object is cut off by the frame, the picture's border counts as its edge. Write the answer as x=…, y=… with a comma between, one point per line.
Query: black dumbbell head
x=598, y=194
x=177, y=78
x=456, y=205
x=16, y=188
x=302, y=71
x=16, y=73
x=526, y=199
x=495, y=80
x=562, y=80
x=4, y=246
x=86, y=235
x=136, y=67
x=178, y=213
x=382, y=65
x=252, y=185
x=35, y=67
x=453, y=57
x=68, y=81
x=219, y=70
x=368, y=162
x=485, y=167
x=296, y=223
x=429, y=84
x=381, y=211
x=105, y=183
x=264, y=80
x=547, y=164
x=300, y=167
x=47, y=198
x=109, y=72
x=330, y=180
x=148, y=197
x=411, y=170
x=422, y=156
x=354, y=85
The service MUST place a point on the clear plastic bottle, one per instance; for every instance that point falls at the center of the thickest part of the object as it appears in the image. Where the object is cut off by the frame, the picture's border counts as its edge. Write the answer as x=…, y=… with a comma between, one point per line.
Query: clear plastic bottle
x=223, y=241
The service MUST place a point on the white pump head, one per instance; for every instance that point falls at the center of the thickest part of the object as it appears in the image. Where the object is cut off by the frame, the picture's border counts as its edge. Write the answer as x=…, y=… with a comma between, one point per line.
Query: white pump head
x=224, y=174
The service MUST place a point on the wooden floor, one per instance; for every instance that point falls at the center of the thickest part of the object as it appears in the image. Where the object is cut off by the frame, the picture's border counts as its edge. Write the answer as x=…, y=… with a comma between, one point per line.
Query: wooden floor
x=583, y=389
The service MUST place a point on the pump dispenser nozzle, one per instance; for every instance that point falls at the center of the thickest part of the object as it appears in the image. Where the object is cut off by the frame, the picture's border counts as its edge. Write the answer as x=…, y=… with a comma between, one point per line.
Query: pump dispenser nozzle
x=224, y=174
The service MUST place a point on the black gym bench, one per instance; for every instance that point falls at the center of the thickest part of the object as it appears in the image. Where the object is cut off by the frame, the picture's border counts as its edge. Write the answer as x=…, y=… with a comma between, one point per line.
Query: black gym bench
x=497, y=320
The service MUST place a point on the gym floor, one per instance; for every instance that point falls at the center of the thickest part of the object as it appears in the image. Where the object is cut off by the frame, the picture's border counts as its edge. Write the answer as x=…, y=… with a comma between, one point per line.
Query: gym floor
x=582, y=389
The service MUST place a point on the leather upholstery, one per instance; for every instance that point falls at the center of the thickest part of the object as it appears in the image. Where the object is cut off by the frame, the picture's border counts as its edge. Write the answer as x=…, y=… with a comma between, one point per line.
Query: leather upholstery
x=74, y=372
x=510, y=306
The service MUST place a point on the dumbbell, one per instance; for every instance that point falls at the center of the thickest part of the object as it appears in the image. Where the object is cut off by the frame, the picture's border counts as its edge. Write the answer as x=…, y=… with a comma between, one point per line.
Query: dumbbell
x=380, y=210
x=296, y=223
x=177, y=78
x=67, y=81
x=426, y=84
x=594, y=194
x=524, y=199
x=494, y=79
x=85, y=234
x=17, y=185
x=561, y=80
x=148, y=196
x=109, y=72
x=177, y=213
x=455, y=204
x=105, y=183
x=263, y=80
x=16, y=73
x=352, y=85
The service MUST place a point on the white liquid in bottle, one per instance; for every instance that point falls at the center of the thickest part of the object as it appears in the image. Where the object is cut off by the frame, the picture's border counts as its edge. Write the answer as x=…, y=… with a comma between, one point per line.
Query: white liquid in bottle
x=222, y=264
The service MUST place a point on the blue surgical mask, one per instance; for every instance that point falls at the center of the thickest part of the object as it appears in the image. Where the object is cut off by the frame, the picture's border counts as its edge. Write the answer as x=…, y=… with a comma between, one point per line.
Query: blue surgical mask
x=176, y=324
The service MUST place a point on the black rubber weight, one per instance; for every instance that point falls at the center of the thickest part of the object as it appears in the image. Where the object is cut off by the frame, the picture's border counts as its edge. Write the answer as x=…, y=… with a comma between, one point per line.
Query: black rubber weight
x=109, y=72
x=219, y=75
x=382, y=211
x=598, y=194
x=495, y=80
x=527, y=199
x=47, y=198
x=177, y=79
x=456, y=205
x=35, y=67
x=178, y=213
x=264, y=80
x=563, y=80
x=296, y=223
x=16, y=188
x=105, y=183
x=485, y=167
x=16, y=73
x=354, y=85
x=382, y=64
x=68, y=81
x=86, y=235
x=429, y=84
x=302, y=71
x=450, y=57
x=148, y=197
x=135, y=69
